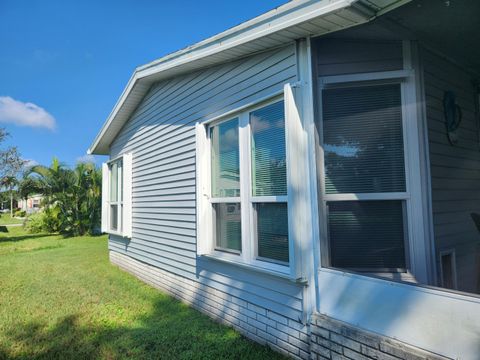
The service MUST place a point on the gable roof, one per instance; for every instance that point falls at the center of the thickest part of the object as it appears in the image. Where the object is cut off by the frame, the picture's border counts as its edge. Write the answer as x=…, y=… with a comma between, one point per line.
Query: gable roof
x=294, y=20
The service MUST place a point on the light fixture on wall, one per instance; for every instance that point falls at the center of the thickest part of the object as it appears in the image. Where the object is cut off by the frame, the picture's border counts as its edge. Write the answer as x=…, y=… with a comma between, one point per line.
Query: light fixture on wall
x=453, y=116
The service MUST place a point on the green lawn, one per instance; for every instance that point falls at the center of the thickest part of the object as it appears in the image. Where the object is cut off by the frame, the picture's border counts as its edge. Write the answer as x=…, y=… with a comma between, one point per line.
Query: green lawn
x=6, y=219
x=61, y=299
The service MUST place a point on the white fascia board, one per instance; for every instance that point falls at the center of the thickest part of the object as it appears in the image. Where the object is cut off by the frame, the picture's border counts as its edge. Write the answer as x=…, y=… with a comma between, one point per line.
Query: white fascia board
x=296, y=13
x=283, y=17
x=125, y=93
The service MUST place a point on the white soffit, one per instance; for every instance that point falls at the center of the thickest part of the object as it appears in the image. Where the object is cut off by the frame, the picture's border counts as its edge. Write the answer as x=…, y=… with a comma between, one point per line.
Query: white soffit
x=294, y=20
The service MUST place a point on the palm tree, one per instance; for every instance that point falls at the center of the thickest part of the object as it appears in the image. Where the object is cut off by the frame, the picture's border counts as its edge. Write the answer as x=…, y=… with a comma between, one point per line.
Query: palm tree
x=74, y=196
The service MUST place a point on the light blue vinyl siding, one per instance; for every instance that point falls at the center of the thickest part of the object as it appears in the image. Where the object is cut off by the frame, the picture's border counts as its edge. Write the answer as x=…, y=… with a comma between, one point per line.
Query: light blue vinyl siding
x=161, y=136
x=455, y=170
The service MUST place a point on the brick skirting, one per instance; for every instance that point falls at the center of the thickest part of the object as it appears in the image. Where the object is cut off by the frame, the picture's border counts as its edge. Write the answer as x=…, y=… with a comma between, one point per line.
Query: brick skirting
x=332, y=339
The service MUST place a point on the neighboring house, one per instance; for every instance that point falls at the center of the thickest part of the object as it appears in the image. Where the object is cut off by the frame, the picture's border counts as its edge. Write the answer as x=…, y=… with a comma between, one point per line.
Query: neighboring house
x=311, y=177
x=31, y=204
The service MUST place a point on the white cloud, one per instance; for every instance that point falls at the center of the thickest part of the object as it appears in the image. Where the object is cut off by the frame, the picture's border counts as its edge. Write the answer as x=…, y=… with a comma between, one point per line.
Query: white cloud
x=86, y=159
x=24, y=114
x=30, y=162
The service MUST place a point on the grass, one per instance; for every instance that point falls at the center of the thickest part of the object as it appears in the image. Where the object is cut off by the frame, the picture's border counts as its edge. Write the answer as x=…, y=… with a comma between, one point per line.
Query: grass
x=62, y=299
x=6, y=219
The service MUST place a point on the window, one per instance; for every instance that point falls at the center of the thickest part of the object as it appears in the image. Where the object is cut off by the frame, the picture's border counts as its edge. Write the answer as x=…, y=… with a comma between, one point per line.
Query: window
x=225, y=175
x=116, y=190
x=364, y=183
x=116, y=196
x=247, y=187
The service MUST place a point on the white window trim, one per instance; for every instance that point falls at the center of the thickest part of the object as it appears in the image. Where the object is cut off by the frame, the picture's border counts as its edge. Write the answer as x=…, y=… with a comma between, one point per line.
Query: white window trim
x=125, y=220
x=247, y=258
x=417, y=248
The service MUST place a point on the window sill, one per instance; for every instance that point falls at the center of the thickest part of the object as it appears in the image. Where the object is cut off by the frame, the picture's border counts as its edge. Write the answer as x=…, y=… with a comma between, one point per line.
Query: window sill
x=116, y=233
x=256, y=268
x=455, y=294
x=396, y=276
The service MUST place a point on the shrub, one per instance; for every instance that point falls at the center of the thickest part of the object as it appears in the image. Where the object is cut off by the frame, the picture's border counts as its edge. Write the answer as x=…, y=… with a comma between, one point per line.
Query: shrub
x=35, y=223
x=46, y=220
x=19, y=213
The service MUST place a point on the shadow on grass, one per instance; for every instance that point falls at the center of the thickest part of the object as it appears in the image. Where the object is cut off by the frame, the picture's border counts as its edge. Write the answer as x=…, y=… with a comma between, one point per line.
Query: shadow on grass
x=171, y=331
x=7, y=238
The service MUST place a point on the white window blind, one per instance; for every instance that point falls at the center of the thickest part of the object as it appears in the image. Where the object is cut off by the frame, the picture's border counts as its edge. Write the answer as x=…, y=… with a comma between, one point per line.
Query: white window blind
x=363, y=139
x=367, y=235
x=269, y=166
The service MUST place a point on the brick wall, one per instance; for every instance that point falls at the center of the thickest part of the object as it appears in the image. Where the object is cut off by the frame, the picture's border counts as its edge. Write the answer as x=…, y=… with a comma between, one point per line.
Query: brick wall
x=332, y=339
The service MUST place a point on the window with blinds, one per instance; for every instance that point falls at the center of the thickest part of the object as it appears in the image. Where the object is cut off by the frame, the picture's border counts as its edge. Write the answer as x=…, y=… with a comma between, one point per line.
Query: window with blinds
x=364, y=183
x=367, y=235
x=363, y=140
x=269, y=166
x=116, y=195
x=225, y=159
x=250, y=211
x=269, y=181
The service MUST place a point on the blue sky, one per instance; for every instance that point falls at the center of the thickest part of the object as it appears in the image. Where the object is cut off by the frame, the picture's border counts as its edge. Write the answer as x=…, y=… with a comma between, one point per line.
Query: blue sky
x=63, y=64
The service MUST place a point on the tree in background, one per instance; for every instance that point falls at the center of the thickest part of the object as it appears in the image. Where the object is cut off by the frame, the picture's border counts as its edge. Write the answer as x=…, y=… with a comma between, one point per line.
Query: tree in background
x=11, y=164
x=72, y=197
x=9, y=183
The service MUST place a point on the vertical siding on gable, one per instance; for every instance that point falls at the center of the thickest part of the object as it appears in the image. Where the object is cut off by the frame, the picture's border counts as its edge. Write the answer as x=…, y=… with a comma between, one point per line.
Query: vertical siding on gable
x=455, y=169
x=161, y=136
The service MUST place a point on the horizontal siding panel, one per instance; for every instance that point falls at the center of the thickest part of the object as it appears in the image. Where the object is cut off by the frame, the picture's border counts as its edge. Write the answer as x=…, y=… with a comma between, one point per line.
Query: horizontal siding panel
x=343, y=56
x=172, y=189
x=165, y=186
x=161, y=210
x=172, y=241
x=161, y=136
x=165, y=180
x=166, y=169
x=162, y=234
x=165, y=216
x=156, y=221
x=163, y=204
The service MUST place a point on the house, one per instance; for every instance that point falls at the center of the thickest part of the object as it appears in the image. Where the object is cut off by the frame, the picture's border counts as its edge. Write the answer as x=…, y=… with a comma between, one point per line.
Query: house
x=311, y=177
x=31, y=204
